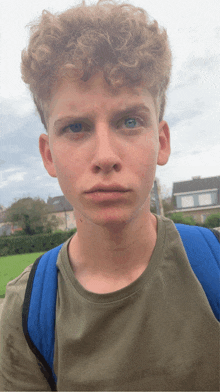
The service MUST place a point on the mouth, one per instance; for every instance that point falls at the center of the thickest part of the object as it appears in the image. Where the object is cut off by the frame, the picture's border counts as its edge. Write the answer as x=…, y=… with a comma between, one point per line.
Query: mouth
x=101, y=195
x=115, y=188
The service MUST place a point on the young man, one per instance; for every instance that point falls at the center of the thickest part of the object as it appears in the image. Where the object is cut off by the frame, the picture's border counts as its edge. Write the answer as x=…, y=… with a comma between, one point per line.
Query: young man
x=130, y=312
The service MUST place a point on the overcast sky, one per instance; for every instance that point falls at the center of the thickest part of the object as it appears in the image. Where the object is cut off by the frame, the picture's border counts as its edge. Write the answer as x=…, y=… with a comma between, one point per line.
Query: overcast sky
x=193, y=105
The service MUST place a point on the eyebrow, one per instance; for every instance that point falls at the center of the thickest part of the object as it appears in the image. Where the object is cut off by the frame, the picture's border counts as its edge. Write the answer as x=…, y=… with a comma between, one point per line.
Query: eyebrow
x=116, y=114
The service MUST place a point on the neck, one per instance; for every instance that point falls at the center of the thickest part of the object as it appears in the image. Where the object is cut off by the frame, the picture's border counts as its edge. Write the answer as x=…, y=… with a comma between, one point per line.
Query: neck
x=113, y=252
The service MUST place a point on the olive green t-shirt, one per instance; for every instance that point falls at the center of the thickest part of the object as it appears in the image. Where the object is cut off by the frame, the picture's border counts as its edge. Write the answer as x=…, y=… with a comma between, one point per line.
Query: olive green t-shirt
x=157, y=334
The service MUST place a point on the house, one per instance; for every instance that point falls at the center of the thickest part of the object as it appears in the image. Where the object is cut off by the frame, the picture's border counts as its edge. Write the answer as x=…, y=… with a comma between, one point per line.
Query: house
x=6, y=228
x=198, y=197
x=63, y=210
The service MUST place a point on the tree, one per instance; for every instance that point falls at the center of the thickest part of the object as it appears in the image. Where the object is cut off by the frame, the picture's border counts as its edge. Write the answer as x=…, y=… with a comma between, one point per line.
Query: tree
x=212, y=221
x=32, y=216
x=167, y=201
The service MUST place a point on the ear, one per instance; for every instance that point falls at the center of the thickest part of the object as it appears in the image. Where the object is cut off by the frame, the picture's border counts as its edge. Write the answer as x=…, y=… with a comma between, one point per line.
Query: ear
x=164, y=143
x=46, y=155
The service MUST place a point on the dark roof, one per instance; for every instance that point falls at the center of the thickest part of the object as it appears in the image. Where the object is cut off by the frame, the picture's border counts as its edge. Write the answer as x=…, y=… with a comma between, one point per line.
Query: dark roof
x=59, y=203
x=197, y=184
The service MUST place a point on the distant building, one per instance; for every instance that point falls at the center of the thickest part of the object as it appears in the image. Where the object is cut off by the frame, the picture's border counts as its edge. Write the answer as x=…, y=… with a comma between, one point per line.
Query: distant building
x=199, y=197
x=63, y=210
x=5, y=228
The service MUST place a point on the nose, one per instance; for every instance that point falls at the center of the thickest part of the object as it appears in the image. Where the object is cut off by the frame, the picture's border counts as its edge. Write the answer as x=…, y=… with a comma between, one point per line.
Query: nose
x=106, y=150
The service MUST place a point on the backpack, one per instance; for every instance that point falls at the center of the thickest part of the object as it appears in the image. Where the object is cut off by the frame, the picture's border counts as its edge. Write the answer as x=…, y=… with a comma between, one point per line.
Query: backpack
x=39, y=307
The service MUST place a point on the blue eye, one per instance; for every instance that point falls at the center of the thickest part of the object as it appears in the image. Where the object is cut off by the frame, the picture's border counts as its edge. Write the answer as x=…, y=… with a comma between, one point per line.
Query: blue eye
x=131, y=122
x=77, y=127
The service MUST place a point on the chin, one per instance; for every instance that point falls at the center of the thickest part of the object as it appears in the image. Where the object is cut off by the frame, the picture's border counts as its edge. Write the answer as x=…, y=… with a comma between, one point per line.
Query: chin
x=108, y=219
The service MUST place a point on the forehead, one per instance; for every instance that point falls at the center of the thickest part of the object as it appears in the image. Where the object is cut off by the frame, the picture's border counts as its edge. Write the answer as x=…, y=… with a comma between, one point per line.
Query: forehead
x=71, y=96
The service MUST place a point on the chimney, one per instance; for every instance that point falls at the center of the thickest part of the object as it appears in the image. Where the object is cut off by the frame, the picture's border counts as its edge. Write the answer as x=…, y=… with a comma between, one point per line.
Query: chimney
x=196, y=178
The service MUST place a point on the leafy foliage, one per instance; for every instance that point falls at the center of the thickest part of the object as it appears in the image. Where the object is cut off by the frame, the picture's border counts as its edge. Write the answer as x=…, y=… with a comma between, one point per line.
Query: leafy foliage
x=14, y=245
x=167, y=201
x=177, y=217
x=212, y=221
x=32, y=216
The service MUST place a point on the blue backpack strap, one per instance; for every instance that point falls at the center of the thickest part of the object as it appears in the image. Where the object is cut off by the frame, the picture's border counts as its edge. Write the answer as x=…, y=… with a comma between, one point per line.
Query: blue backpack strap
x=203, y=251
x=39, y=309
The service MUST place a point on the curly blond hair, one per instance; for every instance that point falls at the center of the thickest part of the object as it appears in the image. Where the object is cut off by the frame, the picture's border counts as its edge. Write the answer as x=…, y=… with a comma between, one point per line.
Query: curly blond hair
x=118, y=39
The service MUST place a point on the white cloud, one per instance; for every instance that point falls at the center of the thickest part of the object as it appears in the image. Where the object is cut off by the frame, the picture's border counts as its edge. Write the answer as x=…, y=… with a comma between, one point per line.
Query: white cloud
x=7, y=180
x=11, y=149
x=17, y=177
x=10, y=170
x=20, y=106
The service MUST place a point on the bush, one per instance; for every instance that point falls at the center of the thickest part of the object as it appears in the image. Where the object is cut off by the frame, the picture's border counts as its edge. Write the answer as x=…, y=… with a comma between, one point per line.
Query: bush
x=212, y=221
x=13, y=245
x=177, y=217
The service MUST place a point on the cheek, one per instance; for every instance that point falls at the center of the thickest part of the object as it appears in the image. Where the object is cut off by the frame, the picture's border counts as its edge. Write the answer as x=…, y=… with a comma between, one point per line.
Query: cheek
x=66, y=164
x=68, y=176
x=145, y=159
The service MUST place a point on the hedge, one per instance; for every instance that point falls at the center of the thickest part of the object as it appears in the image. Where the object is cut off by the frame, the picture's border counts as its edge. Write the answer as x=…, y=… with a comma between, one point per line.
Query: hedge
x=14, y=245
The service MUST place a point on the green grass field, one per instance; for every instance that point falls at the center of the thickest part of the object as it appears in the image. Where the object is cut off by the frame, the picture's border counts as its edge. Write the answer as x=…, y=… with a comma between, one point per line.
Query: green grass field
x=13, y=266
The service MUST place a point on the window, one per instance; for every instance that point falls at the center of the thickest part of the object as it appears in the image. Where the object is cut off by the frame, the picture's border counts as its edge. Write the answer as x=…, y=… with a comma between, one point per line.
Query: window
x=187, y=201
x=205, y=199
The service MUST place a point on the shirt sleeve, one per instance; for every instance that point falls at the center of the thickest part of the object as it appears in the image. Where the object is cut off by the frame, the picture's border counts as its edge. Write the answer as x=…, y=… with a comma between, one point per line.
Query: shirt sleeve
x=19, y=369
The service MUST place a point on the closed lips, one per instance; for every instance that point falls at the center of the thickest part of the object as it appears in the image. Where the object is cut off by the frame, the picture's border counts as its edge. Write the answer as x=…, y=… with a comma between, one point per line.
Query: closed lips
x=114, y=188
